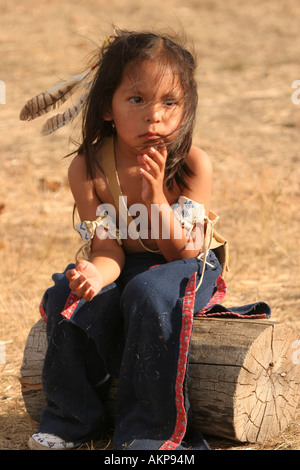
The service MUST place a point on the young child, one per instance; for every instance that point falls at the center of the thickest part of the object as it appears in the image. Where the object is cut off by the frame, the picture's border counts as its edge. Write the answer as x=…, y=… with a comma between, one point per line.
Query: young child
x=125, y=310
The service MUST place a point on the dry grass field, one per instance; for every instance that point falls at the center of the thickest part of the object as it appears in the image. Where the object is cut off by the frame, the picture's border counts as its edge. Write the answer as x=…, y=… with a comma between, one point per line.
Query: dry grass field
x=248, y=58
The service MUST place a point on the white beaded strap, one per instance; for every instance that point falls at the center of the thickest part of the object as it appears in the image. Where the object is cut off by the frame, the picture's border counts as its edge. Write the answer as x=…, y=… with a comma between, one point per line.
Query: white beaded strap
x=189, y=213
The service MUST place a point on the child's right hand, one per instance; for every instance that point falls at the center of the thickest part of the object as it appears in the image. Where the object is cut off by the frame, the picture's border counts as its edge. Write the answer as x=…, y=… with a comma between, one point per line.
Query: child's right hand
x=153, y=174
x=85, y=280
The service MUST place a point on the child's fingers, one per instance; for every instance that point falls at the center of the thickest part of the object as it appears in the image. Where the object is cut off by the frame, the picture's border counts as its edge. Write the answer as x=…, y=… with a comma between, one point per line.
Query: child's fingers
x=160, y=150
x=72, y=274
x=76, y=281
x=159, y=157
x=82, y=266
x=82, y=282
x=153, y=164
x=153, y=167
x=82, y=288
x=85, y=291
x=142, y=160
x=155, y=161
x=88, y=294
x=145, y=174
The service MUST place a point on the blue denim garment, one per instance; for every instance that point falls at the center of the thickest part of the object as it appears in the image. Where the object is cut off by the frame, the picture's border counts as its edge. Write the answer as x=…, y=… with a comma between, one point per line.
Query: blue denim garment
x=131, y=330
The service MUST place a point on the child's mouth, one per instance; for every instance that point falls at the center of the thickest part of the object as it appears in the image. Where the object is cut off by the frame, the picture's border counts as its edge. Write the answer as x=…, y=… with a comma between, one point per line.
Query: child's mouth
x=151, y=136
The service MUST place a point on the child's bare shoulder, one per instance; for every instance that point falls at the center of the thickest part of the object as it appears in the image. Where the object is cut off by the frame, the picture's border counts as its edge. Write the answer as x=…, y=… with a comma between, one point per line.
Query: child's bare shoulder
x=77, y=169
x=199, y=161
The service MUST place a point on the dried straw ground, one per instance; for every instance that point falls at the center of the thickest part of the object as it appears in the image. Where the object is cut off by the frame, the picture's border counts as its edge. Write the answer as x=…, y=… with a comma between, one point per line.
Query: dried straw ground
x=248, y=56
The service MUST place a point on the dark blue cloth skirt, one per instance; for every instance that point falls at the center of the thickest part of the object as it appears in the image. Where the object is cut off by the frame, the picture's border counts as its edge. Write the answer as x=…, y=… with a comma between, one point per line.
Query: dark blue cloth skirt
x=138, y=330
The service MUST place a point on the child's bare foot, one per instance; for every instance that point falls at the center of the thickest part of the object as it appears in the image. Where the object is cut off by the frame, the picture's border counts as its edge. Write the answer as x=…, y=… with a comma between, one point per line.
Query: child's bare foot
x=85, y=280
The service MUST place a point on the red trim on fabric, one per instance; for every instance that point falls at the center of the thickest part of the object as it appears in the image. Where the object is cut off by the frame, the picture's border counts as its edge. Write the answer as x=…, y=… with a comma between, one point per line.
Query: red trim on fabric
x=42, y=311
x=229, y=313
x=184, y=343
x=71, y=304
x=216, y=298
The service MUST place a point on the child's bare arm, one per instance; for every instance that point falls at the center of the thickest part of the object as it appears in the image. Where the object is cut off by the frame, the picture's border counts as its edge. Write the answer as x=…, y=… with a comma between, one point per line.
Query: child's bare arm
x=107, y=257
x=199, y=190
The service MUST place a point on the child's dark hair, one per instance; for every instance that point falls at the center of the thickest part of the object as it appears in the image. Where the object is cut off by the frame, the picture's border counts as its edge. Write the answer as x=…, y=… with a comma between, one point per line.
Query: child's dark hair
x=131, y=48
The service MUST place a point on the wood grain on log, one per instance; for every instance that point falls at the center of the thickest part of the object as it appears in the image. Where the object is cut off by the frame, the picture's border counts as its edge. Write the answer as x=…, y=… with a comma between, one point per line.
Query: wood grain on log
x=243, y=383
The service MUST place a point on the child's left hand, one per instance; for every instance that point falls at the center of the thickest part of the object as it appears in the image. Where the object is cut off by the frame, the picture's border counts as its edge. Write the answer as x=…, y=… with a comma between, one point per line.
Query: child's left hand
x=153, y=173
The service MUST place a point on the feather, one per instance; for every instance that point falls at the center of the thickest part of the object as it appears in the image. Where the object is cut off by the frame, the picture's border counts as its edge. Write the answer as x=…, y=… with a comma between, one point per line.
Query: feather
x=60, y=120
x=49, y=99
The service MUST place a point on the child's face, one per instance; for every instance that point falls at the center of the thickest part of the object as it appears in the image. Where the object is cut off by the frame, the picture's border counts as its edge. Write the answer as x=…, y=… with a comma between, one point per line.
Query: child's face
x=147, y=106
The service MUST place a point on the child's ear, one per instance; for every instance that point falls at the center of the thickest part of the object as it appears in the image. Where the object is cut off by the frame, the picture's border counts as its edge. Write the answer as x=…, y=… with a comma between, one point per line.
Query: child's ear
x=107, y=116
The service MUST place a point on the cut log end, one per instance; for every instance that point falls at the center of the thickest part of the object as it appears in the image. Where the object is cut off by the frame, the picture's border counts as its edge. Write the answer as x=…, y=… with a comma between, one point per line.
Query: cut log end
x=243, y=382
x=249, y=390
x=267, y=392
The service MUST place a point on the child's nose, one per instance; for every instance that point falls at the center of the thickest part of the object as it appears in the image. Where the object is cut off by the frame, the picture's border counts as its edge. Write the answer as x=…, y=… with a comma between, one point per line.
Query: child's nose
x=153, y=113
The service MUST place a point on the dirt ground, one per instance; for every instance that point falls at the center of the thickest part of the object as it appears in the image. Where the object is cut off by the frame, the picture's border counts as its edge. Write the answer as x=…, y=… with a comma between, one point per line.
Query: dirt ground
x=248, y=58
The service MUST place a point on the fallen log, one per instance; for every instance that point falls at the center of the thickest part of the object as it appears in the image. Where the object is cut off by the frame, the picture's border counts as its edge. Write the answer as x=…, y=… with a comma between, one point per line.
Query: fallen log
x=243, y=382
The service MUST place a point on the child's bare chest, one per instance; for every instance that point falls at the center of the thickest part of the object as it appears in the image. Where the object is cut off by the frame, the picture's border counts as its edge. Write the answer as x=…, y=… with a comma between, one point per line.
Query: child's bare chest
x=130, y=183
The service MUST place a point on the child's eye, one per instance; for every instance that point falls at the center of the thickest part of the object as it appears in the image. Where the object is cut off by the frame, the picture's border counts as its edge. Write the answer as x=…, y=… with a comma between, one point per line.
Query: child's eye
x=136, y=99
x=171, y=102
